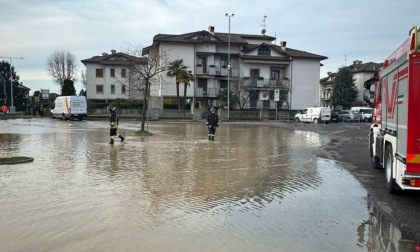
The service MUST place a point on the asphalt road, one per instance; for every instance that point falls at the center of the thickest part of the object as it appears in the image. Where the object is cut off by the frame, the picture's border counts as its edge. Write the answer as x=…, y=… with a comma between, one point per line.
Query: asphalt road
x=349, y=145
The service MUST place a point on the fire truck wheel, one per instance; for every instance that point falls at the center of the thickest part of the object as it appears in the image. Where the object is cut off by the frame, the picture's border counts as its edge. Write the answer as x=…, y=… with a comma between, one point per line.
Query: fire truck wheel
x=391, y=185
x=316, y=121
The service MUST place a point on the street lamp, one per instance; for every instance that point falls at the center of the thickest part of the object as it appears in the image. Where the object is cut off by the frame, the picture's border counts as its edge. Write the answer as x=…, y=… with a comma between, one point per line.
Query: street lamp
x=11, y=77
x=228, y=92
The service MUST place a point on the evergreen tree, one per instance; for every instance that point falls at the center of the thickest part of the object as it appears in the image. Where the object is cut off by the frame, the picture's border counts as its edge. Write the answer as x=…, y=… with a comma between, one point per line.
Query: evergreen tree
x=345, y=90
x=82, y=92
x=68, y=88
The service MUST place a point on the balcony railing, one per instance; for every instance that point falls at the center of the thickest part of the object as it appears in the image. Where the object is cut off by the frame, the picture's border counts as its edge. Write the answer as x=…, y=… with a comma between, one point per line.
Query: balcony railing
x=216, y=71
x=326, y=96
x=208, y=92
x=263, y=83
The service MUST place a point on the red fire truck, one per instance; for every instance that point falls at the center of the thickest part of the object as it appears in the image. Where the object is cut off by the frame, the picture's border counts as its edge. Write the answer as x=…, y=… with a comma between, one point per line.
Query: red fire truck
x=394, y=93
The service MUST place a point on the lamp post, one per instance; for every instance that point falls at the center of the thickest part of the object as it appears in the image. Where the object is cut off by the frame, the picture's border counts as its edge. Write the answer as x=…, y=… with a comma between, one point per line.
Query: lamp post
x=228, y=92
x=11, y=77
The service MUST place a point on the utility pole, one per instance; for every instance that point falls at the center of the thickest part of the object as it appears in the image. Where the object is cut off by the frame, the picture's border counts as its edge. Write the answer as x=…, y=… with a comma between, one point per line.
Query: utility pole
x=228, y=91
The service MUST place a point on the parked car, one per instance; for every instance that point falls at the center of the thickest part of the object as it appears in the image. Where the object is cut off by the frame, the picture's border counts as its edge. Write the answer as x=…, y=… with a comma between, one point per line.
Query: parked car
x=314, y=114
x=349, y=115
x=334, y=115
x=366, y=113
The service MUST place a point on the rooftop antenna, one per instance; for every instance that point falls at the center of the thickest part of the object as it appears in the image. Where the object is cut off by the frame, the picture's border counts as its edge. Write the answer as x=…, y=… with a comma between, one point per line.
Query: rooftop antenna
x=345, y=60
x=264, y=30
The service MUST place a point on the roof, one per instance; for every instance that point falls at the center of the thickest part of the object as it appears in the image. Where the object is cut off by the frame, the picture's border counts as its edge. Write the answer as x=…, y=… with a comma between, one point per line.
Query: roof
x=370, y=67
x=220, y=37
x=216, y=37
x=287, y=52
x=115, y=58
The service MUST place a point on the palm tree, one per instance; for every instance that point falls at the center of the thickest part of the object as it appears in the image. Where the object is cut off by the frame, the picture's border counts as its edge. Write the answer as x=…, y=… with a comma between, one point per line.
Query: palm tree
x=177, y=69
x=186, y=77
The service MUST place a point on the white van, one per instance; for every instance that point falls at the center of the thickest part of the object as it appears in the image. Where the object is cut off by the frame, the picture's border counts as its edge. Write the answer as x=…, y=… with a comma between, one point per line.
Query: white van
x=314, y=114
x=365, y=112
x=69, y=107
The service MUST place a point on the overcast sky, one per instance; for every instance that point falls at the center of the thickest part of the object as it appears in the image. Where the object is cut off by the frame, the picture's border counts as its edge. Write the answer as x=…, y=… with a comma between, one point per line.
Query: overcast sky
x=343, y=31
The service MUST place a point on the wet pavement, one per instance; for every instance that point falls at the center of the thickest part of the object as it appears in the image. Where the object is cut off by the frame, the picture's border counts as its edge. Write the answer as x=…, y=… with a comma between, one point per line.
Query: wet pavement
x=256, y=188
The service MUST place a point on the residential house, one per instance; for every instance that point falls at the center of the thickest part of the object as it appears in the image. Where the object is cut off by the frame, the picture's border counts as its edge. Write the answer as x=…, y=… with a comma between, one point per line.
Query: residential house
x=361, y=72
x=107, y=76
x=257, y=68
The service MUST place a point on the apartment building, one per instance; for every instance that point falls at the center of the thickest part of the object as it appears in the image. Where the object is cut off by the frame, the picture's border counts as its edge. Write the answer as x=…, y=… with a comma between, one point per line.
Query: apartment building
x=258, y=68
x=107, y=76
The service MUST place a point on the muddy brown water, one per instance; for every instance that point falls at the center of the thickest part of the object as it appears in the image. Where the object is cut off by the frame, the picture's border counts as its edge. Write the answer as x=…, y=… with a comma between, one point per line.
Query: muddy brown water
x=255, y=188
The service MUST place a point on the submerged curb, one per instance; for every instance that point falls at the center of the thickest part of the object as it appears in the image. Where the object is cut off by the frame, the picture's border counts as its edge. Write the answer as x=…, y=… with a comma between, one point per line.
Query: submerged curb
x=15, y=160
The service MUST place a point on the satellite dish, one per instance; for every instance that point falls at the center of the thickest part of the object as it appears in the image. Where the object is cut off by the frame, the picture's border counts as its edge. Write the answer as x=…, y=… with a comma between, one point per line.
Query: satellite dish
x=263, y=31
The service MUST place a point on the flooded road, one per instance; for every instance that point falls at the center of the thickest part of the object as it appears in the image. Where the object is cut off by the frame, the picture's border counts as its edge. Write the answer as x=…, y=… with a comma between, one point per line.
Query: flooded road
x=256, y=188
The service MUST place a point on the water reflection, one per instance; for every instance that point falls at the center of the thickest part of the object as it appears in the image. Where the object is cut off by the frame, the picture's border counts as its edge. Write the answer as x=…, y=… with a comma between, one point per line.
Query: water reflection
x=378, y=233
x=254, y=188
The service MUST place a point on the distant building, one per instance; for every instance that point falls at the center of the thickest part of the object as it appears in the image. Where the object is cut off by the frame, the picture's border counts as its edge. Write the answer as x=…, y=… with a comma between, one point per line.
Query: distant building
x=361, y=72
x=107, y=76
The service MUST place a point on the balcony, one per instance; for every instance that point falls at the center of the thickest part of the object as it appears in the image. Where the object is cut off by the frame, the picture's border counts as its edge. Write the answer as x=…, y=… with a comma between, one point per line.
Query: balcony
x=208, y=92
x=213, y=70
x=264, y=84
x=326, y=96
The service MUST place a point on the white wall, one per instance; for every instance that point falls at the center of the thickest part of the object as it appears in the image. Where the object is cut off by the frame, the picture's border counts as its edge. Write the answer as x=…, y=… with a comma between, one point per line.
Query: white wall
x=106, y=81
x=305, y=83
x=168, y=86
x=360, y=80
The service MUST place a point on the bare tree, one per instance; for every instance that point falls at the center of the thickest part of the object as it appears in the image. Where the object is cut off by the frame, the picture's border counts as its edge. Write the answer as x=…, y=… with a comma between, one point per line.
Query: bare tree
x=239, y=94
x=143, y=76
x=62, y=66
x=83, y=79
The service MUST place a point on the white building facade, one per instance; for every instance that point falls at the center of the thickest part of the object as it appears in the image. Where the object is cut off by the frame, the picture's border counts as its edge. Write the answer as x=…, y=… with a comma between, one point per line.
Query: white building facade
x=257, y=69
x=107, y=77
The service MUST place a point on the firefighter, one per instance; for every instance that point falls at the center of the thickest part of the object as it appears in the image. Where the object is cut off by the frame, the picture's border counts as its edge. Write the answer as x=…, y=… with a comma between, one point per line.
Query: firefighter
x=212, y=122
x=113, y=122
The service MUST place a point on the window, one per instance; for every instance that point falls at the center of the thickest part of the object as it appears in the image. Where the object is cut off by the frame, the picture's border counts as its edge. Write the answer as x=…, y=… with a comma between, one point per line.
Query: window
x=112, y=73
x=123, y=89
x=223, y=62
x=112, y=89
x=203, y=62
x=275, y=74
x=123, y=74
x=99, y=73
x=264, y=51
x=99, y=89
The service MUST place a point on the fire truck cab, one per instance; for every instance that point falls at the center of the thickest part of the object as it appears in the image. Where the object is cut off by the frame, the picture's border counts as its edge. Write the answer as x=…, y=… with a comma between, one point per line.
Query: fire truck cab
x=394, y=94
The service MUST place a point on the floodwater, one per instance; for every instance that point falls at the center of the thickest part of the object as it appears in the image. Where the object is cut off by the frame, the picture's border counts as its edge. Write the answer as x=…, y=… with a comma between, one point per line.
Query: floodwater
x=255, y=188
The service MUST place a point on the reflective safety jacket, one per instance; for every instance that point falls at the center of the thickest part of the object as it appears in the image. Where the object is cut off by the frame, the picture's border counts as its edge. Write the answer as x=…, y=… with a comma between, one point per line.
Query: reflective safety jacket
x=212, y=120
x=114, y=119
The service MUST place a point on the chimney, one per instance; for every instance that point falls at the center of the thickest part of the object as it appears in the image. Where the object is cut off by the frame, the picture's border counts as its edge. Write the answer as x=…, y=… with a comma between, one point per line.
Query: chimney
x=211, y=29
x=329, y=73
x=104, y=54
x=113, y=51
x=283, y=45
x=356, y=62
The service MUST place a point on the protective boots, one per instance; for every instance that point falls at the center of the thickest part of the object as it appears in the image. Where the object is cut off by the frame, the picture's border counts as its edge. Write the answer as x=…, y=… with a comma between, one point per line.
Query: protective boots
x=209, y=138
x=122, y=138
x=112, y=141
x=212, y=138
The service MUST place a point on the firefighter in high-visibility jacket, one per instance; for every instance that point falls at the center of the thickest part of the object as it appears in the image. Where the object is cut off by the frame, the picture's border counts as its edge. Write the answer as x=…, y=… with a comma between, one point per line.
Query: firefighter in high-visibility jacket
x=212, y=122
x=113, y=122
